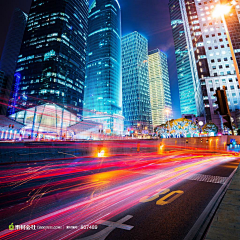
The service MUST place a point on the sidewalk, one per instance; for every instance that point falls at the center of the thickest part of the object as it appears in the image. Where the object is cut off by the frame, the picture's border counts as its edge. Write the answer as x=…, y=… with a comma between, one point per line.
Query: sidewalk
x=226, y=222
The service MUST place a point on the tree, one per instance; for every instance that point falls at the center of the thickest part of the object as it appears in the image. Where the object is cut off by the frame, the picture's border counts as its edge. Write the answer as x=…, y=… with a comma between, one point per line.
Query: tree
x=162, y=129
x=183, y=126
x=178, y=127
x=210, y=127
x=235, y=128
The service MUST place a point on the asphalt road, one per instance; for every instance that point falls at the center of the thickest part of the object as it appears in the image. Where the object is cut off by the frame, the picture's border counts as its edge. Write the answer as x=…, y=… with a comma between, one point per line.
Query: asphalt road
x=141, y=196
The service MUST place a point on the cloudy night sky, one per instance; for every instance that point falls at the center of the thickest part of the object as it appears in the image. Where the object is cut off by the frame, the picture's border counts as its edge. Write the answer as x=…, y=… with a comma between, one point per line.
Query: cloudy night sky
x=150, y=18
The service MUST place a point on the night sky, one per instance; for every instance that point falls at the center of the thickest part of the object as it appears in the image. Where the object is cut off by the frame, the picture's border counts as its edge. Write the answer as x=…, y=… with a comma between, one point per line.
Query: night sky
x=149, y=17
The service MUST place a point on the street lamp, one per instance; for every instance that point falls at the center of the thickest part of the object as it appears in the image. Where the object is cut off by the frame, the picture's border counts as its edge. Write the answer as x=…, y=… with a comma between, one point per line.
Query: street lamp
x=200, y=124
x=220, y=11
x=168, y=111
x=139, y=129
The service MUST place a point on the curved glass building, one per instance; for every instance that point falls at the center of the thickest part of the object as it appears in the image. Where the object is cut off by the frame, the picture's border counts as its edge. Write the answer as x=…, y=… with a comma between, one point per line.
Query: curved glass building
x=51, y=65
x=103, y=84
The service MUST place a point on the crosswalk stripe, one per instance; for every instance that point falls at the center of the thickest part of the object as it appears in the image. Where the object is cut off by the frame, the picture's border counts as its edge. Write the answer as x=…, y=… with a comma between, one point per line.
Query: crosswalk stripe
x=207, y=178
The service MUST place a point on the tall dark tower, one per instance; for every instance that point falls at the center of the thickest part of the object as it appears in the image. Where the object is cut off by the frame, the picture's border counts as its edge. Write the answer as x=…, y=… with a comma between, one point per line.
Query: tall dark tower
x=10, y=55
x=103, y=87
x=51, y=65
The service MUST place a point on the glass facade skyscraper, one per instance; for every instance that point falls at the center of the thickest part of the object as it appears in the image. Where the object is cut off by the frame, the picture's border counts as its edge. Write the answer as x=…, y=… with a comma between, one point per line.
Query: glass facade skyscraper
x=189, y=86
x=13, y=42
x=160, y=94
x=10, y=54
x=1, y=79
x=51, y=64
x=136, y=96
x=209, y=53
x=103, y=83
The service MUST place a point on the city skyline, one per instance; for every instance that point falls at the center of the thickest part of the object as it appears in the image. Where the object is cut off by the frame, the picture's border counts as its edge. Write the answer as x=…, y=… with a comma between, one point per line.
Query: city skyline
x=158, y=35
x=120, y=119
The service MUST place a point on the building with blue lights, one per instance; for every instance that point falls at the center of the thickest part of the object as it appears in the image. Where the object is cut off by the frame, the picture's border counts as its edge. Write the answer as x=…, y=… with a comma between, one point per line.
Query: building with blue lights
x=136, y=95
x=51, y=64
x=160, y=94
x=1, y=80
x=103, y=83
x=188, y=80
x=210, y=58
x=10, y=54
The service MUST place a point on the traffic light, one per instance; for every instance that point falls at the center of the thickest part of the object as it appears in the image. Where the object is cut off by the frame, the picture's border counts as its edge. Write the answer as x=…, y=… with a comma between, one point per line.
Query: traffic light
x=223, y=108
x=10, y=125
x=228, y=124
x=222, y=102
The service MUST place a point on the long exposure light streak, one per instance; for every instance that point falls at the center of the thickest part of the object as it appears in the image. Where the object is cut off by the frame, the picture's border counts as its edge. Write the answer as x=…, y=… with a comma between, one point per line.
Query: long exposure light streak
x=75, y=193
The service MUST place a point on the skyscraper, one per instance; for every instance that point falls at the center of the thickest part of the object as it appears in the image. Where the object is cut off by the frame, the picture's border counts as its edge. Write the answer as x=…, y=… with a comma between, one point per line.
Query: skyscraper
x=136, y=96
x=210, y=53
x=10, y=54
x=1, y=79
x=103, y=86
x=188, y=81
x=160, y=94
x=51, y=64
x=232, y=21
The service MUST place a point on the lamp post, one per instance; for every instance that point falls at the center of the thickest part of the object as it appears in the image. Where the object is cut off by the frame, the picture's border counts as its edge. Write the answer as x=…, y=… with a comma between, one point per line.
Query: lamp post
x=200, y=124
x=220, y=11
x=167, y=111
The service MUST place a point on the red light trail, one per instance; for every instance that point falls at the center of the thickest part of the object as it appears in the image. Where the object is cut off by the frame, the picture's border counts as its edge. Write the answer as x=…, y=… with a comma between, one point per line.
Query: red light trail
x=88, y=190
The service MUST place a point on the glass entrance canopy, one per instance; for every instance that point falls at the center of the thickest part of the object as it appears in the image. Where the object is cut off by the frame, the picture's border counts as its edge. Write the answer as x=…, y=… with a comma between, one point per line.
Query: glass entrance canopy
x=46, y=119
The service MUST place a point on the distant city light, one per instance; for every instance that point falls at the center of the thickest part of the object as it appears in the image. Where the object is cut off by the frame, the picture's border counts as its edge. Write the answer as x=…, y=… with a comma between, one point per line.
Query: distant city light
x=101, y=153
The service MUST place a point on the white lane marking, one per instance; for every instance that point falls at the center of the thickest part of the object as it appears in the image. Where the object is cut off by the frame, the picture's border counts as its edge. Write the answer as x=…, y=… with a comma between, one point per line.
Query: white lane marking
x=207, y=178
x=111, y=226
